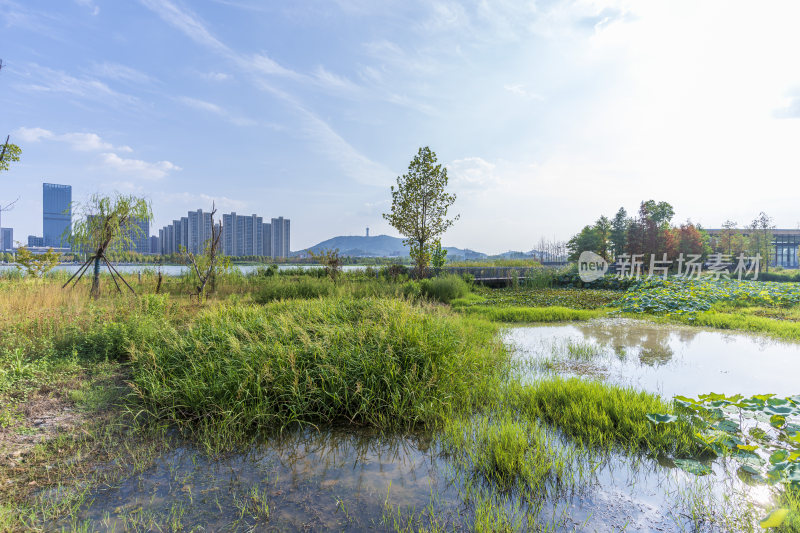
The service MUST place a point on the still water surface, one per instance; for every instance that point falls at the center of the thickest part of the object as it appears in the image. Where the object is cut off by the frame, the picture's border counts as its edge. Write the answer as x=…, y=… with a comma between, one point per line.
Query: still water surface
x=357, y=480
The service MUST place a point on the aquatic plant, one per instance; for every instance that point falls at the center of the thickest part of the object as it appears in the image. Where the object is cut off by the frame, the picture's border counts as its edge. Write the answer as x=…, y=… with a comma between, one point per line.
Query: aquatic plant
x=761, y=433
x=687, y=297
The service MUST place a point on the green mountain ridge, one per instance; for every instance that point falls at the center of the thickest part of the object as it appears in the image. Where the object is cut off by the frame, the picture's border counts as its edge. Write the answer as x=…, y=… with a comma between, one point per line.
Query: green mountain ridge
x=378, y=246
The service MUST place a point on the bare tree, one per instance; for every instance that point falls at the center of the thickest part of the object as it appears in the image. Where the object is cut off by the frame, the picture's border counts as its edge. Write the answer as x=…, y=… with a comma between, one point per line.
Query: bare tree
x=205, y=267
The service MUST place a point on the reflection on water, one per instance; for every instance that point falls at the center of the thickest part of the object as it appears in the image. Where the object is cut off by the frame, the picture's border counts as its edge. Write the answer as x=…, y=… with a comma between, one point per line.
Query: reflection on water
x=670, y=360
x=356, y=480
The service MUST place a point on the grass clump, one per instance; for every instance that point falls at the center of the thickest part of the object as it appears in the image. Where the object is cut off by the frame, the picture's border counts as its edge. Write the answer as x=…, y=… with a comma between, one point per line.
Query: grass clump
x=286, y=289
x=533, y=314
x=783, y=329
x=444, y=288
x=602, y=415
x=506, y=451
x=380, y=362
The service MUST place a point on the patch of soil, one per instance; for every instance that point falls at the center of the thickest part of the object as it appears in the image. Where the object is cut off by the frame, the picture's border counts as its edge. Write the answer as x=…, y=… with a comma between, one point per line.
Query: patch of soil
x=45, y=413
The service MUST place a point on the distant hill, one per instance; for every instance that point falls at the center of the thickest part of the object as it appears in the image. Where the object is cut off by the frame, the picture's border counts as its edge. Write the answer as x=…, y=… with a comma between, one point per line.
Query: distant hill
x=378, y=246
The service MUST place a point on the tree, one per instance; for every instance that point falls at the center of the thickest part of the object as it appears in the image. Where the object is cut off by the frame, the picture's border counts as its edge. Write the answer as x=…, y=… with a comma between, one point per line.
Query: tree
x=689, y=239
x=439, y=256
x=603, y=229
x=107, y=224
x=330, y=261
x=36, y=265
x=619, y=231
x=761, y=238
x=419, y=206
x=9, y=154
x=205, y=266
x=589, y=239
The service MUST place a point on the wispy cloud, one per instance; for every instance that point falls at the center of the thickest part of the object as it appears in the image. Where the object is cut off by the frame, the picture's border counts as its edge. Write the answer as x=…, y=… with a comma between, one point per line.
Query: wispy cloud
x=91, y=142
x=82, y=142
x=520, y=90
x=222, y=203
x=139, y=168
x=118, y=72
x=789, y=109
x=261, y=68
x=44, y=79
x=209, y=107
x=95, y=10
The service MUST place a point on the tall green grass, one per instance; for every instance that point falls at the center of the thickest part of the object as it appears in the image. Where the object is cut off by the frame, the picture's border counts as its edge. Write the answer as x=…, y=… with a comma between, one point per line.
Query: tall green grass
x=533, y=314
x=379, y=362
x=602, y=415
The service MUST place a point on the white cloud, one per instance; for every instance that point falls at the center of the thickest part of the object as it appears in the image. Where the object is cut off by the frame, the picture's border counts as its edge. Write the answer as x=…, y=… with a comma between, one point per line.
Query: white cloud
x=217, y=110
x=82, y=142
x=520, y=90
x=116, y=71
x=334, y=81
x=33, y=134
x=215, y=76
x=44, y=79
x=89, y=4
x=355, y=164
x=204, y=201
x=138, y=168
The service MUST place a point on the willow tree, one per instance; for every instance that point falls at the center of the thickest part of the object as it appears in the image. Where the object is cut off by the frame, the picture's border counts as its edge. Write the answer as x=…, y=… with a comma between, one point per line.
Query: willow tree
x=419, y=206
x=107, y=223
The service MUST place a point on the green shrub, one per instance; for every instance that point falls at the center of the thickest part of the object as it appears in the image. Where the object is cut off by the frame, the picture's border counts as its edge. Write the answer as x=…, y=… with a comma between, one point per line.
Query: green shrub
x=444, y=288
x=374, y=361
x=287, y=289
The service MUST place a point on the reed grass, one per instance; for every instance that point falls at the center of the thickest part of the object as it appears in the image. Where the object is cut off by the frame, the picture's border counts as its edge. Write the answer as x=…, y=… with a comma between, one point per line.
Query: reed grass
x=602, y=415
x=379, y=362
x=533, y=314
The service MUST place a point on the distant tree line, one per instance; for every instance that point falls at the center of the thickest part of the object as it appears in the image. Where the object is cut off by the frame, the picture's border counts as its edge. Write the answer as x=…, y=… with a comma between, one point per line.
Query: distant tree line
x=651, y=231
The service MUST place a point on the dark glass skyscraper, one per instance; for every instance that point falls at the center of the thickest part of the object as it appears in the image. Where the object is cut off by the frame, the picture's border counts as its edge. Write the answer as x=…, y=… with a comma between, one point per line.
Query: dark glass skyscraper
x=57, y=222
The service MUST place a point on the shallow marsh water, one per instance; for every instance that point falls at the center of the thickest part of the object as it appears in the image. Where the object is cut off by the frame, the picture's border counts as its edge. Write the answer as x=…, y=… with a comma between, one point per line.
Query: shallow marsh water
x=357, y=480
x=665, y=359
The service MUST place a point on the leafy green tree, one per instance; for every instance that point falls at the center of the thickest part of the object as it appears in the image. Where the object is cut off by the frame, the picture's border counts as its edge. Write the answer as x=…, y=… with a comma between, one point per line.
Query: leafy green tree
x=619, y=231
x=108, y=224
x=9, y=154
x=439, y=256
x=589, y=239
x=36, y=265
x=419, y=206
x=603, y=229
x=761, y=238
x=330, y=261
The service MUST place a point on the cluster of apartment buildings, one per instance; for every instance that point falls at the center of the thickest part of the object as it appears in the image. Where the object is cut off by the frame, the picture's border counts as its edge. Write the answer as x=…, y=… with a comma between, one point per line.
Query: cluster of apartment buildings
x=240, y=235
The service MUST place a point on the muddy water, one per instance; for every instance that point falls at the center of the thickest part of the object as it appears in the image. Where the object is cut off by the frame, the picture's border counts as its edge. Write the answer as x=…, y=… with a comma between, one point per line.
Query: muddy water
x=356, y=480
x=665, y=359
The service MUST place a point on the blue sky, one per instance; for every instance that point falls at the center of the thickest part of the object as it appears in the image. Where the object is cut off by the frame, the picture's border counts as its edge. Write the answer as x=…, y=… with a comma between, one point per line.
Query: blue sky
x=546, y=114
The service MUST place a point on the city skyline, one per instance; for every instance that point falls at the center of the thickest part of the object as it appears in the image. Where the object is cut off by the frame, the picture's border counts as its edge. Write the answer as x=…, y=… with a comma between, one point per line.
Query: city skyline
x=542, y=112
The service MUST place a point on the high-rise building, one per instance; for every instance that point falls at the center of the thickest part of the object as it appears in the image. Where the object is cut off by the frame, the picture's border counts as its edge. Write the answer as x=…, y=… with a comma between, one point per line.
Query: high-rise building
x=267, y=239
x=57, y=214
x=199, y=231
x=155, y=243
x=35, y=242
x=280, y=237
x=192, y=233
x=139, y=234
x=6, y=239
x=242, y=235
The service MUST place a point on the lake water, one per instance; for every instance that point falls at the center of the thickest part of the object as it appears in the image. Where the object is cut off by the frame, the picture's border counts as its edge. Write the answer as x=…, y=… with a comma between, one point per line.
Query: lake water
x=177, y=270
x=666, y=359
x=357, y=480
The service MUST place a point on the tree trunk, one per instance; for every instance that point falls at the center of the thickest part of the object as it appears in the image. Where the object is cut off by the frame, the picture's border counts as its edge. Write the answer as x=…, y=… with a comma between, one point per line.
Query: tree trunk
x=96, y=278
